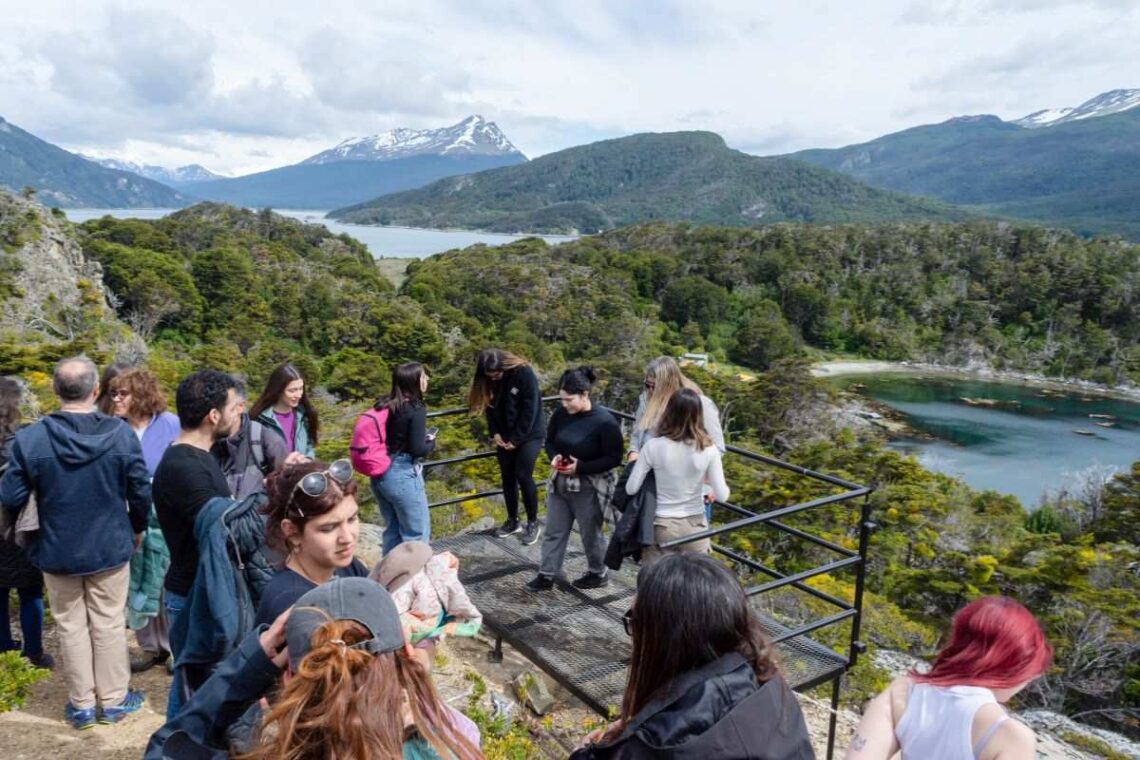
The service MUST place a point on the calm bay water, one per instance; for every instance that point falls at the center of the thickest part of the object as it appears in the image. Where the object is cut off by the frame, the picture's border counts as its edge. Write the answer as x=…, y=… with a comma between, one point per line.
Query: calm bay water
x=392, y=242
x=1024, y=443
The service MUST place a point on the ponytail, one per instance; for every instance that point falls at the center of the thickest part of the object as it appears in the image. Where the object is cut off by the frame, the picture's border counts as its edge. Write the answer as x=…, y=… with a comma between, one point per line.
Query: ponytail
x=348, y=703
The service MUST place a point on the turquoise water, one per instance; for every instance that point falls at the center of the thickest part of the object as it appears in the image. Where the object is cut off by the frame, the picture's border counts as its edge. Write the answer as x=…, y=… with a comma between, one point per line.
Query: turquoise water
x=1025, y=444
x=392, y=242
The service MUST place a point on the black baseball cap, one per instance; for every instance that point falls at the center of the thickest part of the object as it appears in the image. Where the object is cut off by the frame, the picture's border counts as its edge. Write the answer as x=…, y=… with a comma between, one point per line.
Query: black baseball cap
x=360, y=600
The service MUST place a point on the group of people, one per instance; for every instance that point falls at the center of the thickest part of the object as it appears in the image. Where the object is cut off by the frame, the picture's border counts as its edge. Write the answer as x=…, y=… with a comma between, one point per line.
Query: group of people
x=114, y=484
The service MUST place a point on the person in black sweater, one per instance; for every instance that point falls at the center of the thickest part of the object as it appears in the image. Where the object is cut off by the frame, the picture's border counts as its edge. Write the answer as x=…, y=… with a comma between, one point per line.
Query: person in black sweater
x=585, y=444
x=505, y=388
x=400, y=490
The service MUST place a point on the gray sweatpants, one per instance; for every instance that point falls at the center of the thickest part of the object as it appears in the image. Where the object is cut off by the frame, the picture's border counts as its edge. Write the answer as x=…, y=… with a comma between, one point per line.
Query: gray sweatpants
x=562, y=509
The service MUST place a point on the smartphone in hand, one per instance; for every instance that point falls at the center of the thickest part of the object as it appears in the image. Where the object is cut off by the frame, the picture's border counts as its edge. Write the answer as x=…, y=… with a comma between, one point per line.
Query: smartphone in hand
x=432, y=432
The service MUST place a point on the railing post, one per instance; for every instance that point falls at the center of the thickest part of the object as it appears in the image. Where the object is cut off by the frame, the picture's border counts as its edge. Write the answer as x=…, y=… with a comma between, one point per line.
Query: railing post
x=865, y=528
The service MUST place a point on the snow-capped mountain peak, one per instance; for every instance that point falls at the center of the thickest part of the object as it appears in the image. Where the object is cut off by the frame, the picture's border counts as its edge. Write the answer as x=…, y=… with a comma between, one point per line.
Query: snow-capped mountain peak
x=181, y=175
x=474, y=136
x=1105, y=104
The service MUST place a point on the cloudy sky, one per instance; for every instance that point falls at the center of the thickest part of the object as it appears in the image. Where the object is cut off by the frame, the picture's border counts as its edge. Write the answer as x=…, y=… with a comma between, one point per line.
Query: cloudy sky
x=246, y=85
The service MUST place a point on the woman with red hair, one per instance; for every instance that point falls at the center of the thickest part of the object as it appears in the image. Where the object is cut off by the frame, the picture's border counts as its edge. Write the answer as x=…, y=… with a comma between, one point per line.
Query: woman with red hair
x=955, y=710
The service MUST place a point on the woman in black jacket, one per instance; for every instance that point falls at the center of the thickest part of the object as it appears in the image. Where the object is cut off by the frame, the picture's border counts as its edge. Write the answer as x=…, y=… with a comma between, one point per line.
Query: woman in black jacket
x=16, y=570
x=702, y=684
x=505, y=388
x=400, y=490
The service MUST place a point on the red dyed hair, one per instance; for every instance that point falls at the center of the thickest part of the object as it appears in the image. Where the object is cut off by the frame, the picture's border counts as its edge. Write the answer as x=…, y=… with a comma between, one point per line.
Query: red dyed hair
x=994, y=642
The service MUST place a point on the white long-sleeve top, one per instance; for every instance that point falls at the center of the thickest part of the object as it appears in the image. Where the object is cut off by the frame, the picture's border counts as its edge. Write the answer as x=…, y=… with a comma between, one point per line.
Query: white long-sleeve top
x=680, y=470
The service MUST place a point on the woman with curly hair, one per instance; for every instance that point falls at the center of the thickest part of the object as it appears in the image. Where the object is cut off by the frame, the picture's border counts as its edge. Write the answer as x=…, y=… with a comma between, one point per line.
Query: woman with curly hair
x=135, y=396
x=351, y=689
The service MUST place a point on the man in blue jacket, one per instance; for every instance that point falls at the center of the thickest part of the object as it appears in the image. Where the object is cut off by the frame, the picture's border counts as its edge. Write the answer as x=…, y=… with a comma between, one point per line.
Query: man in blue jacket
x=92, y=491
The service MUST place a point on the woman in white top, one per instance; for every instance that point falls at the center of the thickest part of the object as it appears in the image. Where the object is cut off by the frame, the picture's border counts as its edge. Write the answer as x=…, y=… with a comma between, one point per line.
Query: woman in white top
x=683, y=459
x=955, y=711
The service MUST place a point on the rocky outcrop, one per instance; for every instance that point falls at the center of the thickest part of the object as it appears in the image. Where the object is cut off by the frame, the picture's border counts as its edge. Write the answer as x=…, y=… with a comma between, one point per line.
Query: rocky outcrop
x=46, y=282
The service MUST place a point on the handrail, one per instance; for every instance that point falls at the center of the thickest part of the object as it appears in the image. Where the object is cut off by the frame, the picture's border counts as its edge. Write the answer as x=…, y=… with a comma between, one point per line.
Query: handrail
x=772, y=518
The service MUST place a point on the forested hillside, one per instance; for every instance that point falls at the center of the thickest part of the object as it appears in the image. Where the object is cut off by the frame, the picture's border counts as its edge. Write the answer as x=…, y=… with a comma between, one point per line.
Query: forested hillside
x=240, y=291
x=1080, y=174
x=680, y=176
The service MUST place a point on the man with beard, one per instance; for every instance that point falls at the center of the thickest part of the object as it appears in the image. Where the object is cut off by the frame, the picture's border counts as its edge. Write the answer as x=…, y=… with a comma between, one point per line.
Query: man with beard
x=188, y=476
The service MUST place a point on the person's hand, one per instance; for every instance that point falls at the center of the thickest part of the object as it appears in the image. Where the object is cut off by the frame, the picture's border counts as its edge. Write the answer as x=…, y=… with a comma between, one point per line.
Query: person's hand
x=138, y=541
x=499, y=441
x=569, y=465
x=632, y=456
x=296, y=457
x=593, y=737
x=508, y=446
x=273, y=641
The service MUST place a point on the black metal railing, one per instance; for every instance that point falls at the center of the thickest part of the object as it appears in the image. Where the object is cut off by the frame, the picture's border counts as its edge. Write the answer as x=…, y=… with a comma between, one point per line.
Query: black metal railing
x=848, y=559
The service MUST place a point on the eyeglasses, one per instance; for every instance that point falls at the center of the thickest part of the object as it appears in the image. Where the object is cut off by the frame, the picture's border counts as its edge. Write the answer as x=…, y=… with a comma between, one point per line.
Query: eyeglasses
x=316, y=483
x=120, y=394
x=627, y=621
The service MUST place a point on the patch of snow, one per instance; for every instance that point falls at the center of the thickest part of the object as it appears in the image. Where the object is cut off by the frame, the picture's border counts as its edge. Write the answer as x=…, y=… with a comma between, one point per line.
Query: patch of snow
x=1105, y=104
x=473, y=136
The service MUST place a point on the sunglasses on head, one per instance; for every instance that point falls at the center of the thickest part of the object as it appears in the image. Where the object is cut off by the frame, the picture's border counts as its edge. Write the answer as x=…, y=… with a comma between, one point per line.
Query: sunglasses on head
x=316, y=483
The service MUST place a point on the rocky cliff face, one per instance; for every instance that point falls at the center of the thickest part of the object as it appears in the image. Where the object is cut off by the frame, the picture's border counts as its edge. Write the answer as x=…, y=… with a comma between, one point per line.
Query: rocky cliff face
x=46, y=283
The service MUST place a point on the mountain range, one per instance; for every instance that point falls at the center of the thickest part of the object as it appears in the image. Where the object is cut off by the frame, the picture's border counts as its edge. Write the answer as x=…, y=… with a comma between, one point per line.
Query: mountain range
x=173, y=177
x=1077, y=168
x=61, y=178
x=365, y=167
x=680, y=176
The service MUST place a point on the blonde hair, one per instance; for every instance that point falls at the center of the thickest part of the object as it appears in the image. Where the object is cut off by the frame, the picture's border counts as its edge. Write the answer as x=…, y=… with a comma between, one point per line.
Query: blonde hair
x=667, y=380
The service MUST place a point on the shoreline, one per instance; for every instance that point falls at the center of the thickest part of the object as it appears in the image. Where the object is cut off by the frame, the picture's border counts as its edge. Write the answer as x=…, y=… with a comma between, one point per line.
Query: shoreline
x=855, y=367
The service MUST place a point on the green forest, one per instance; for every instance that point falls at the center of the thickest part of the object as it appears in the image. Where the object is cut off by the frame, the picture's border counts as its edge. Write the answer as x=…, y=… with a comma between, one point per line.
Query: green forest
x=681, y=176
x=241, y=291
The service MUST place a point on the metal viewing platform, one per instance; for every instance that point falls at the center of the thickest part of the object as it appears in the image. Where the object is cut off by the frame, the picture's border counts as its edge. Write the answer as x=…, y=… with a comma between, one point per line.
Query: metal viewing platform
x=576, y=636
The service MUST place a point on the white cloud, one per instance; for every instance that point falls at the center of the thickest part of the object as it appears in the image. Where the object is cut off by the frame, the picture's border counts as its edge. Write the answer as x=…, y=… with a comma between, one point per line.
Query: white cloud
x=241, y=85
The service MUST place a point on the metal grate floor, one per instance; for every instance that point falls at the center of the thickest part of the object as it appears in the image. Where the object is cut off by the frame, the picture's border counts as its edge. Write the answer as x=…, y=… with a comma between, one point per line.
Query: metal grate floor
x=576, y=636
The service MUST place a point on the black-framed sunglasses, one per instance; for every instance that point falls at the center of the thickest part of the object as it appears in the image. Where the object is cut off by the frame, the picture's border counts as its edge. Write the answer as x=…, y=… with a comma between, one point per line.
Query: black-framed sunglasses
x=627, y=621
x=316, y=483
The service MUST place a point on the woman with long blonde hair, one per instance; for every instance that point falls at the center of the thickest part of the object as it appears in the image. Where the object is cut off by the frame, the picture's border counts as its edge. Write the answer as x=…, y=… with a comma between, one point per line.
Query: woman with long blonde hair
x=684, y=462
x=352, y=690
x=663, y=378
x=505, y=389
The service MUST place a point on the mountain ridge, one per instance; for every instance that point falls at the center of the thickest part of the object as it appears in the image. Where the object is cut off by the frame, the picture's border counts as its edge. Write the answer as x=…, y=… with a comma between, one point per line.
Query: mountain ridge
x=62, y=178
x=181, y=175
x=680, y=176
x=474, y=136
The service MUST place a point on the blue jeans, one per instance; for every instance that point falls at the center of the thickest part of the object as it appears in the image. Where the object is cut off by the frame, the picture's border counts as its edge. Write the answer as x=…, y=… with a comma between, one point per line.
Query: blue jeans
x=403, y=503
x=173, y=603
x=31, y=620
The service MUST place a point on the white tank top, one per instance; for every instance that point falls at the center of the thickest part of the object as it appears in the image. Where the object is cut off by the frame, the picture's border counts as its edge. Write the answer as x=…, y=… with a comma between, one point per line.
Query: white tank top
x=938, y=722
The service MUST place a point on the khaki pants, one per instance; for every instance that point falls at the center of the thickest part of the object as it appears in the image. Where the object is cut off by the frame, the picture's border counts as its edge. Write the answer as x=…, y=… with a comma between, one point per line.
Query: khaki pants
x=89, y=616
x=671, y=528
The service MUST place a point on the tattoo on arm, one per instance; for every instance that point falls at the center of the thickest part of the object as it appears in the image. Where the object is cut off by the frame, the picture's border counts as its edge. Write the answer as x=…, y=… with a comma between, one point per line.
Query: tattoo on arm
x=858, y=743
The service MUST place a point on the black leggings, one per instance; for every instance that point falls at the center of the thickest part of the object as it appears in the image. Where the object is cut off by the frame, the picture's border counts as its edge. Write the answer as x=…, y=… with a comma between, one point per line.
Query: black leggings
x=517, y=469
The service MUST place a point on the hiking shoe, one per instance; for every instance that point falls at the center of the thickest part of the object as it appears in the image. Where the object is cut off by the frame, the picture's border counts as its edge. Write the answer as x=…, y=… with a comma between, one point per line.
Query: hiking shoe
x=541, y=583
x=509, y=528
x=41, y=660
x=146, y=660
x=532, y=533
x=592, y=580
x=79, y=719
x=131, y=703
